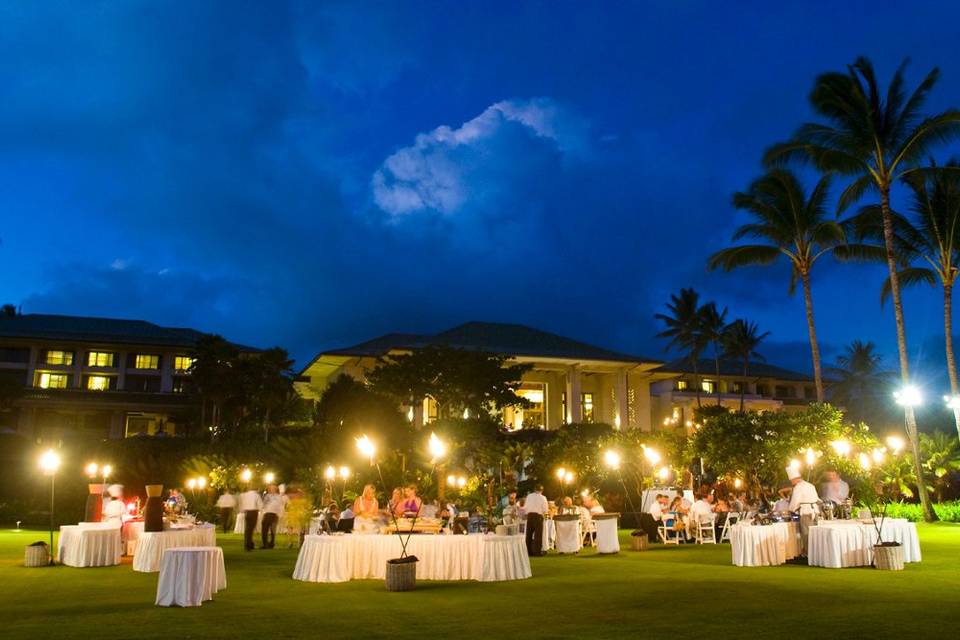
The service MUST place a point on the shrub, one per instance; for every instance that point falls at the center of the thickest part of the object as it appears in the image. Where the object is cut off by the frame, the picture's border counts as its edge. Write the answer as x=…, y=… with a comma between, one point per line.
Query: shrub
x=946, y=511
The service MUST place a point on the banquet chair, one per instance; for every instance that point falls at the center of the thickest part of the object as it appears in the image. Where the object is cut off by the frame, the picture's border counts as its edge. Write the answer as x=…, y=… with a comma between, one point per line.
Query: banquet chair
x=668, y=534
x=705, y=531
x=733, y=517
x=588, y=529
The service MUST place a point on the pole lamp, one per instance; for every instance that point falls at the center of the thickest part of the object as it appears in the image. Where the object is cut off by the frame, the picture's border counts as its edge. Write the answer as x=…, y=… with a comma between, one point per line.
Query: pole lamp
x=49, y=463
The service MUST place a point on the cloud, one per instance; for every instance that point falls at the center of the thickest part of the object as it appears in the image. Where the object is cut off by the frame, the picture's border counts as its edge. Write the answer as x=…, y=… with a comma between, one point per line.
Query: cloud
x=448, y=168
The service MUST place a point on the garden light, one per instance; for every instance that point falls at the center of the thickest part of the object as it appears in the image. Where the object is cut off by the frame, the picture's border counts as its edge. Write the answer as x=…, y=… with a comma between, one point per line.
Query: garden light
x=879, y=454
x=105, y=471
x=452, y=480
x=92, y=469
x=561, y=472
x=201, y=482
x=330, y=473
x=461, y=482
x=864, y=461
x=344, y=472
x=909, y=396
x=437, y=447
x=192, y=484
x=896, y=444
x=269, y=477
x=568, y=478
x=246, y=475
x=651, y=455
x=50, y=461
x=842, y=447
x=612, y=459
x=663, y=473
x=811, y=457
x=366, y=447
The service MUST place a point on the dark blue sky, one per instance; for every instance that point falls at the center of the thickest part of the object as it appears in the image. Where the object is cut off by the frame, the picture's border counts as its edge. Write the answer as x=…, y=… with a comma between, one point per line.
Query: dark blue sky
x=314, y=174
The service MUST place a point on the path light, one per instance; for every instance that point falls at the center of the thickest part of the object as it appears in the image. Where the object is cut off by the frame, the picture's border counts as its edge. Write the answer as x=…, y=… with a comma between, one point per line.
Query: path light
x=864, y=461
x=896, y=444
x=49, y=463
x=561, y=473
x=437, y=447
x=663, y=473
x=201, y=482
x=909, y=396
x=612, y=459
x=105, y=471
x=269, y=477
x=568, y=478
x=461, y=482
x=879, y=454
x=842, y=447
x=246, y=475
x=192, y=484
x=330, y=473
x=651, y=455
x=92, y=469
x=811, y=456
x=452, y=480
x=344, y=472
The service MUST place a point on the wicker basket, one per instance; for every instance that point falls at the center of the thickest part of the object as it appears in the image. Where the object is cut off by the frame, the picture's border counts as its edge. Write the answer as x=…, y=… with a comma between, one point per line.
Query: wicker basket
x=401, y=576
x=888, y=558
x=37, y=555
x=639, y=543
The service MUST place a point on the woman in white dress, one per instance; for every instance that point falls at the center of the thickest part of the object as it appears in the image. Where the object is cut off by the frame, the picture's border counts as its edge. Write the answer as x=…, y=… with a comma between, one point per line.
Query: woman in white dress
x=366, y=511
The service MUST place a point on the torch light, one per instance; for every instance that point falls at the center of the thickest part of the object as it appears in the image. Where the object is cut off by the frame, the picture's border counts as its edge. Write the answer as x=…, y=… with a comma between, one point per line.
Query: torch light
x=269, y=477
x=49, y=463
x=246, y=476
x=366, y=447
x=612, y=459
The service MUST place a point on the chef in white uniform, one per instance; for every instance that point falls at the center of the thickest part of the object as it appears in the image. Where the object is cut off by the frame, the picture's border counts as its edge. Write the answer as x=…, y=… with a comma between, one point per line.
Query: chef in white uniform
x=804, y=500
x=114, y=509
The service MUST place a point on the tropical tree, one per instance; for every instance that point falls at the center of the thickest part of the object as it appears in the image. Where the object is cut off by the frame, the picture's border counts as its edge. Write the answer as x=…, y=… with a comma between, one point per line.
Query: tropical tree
x=712, y=323
x=684, y=329
x=876, y=140
x=740, y=341
x=941, y=459
x=793, y=224
x=858, y=380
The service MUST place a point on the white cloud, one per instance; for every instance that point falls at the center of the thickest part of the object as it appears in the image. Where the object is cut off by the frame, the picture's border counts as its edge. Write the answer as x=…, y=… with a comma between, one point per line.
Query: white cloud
x=447, y=168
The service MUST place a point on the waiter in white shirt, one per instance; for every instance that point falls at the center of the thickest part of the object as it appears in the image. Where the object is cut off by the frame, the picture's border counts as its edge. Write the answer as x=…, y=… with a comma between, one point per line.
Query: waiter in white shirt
x=535, y=504
x=274, y=508
x=249, y=505
x=226, y=503
x=803, y=500
x=834, y=489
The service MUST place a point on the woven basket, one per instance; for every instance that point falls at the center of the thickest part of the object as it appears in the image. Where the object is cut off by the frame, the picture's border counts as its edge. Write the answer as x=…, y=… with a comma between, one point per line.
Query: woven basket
x=888, y=558
x=639, y=543
x=36, y=556
x=401, y=576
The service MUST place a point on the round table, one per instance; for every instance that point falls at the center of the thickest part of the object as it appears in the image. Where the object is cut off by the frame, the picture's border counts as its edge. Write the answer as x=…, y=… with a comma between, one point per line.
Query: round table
x=849, y=543
x=89, y=545
x=764, y=545
x=481, y=557
x=152, y=544
x=190, y=575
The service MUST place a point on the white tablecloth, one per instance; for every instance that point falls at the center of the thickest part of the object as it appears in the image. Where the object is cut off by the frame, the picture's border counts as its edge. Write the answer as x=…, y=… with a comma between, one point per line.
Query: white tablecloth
x=89, y=545
x=764, y=545
x=240, y=525
x=152, y=544
x=849, y=543
x=569, y=538
x=190, y=575
x=339, y=558
x=607, y=539
x=549, y=535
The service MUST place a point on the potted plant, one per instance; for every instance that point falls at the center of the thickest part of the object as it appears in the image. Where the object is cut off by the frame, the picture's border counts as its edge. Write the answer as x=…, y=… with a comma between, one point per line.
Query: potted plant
x=887, y=555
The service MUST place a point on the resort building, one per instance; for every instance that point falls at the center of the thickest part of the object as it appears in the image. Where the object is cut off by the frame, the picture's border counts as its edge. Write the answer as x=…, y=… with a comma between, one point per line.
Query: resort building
x=765, y=388
x=68, y=376
x=570, y=381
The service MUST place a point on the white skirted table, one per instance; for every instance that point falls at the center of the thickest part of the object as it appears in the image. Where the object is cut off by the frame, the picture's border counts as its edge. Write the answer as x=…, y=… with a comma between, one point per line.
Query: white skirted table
x=240, y=524
x=485, y=558
x=849, y=543
x=764, y=545
x=152, y=544
x=569, y=534
x=607, y=539
x=89, y=545
x=549, y=534
x=190, y=575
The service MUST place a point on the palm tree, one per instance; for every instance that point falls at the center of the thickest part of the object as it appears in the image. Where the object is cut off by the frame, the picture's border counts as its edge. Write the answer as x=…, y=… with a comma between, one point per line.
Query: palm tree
x=876, y=140
x=712, y=323
x=740, y=341
x=684, y=328
x=941, y=459
x=793, y=224
x=858, y=378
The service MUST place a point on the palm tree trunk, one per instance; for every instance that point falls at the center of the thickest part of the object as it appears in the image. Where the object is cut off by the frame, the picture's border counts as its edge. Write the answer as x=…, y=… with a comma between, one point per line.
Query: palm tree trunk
x=811, y=328
x=696, y=378
x=743, y=383
x=910, y=420
x=951, y=361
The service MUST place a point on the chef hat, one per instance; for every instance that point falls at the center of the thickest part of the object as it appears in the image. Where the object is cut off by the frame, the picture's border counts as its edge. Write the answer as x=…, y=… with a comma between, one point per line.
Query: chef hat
x=282, y=488
x=115, y=490
x=793, y=473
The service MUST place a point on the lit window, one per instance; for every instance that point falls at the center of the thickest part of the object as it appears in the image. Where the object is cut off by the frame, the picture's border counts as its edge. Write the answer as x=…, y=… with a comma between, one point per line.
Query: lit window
x=563, y=406
x=52, y=381
x=531, y=416
x=99, y=359
x=682, y=385
x=98, y=383
x=182, y=363
x=60, y=357
x=431, y=410
x=146, y=361
x=738, y=387
x=708, y=386
x=586, y=407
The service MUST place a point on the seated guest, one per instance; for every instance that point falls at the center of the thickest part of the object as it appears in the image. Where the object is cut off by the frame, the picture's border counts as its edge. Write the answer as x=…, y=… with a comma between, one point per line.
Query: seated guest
x=410, y=504
x=679, y=505
x=582, y=510
x=591, y=503
x=511, y=509
x=700, y=511
x=567, y=508
x=430, y=509
x=396, y=497
x=659, y=505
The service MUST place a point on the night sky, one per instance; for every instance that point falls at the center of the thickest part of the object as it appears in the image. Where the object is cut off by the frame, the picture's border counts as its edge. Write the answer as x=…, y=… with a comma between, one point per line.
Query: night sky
x=313, y=175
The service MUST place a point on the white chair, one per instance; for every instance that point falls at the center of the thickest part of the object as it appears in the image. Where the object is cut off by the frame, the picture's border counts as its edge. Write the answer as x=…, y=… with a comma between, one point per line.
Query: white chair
x=668, y=534
x=705, y=531
x=589, y=531
x=733, y=518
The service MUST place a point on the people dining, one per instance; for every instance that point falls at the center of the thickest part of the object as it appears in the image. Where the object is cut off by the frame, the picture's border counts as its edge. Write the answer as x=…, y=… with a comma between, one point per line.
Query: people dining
x=700, y=511
x=410, y=503
x=396, y=498
x=567, y=508
x=659, y=506
x=366, y=511
x=592, y=504
x=834, y=489
x=679, y=505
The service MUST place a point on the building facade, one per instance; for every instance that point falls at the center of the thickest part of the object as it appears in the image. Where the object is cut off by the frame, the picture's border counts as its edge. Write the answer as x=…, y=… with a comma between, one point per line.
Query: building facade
x=66, y=376
x=569, y=381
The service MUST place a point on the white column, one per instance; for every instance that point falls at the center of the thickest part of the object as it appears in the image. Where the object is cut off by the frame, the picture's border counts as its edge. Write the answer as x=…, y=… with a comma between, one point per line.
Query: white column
x=166, y=372
x=621, y=418
x=573, y=395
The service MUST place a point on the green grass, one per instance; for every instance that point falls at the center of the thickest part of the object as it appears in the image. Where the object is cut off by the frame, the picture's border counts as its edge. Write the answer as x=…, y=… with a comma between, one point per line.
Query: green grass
x=665, y=592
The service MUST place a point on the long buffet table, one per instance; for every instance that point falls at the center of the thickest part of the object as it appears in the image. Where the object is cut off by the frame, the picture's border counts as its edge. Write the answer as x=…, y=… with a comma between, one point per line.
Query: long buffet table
x=485, y=558
x=849, y=543
x=764, y=545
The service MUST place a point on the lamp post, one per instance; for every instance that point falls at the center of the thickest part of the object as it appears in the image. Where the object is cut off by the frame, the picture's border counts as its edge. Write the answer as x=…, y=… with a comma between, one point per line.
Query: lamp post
x=49, y=463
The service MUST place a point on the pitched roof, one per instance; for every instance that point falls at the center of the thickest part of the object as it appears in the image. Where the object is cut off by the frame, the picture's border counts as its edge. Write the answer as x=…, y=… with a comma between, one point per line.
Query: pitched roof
x=493, y=337
x=86, y=329
x=707, y=367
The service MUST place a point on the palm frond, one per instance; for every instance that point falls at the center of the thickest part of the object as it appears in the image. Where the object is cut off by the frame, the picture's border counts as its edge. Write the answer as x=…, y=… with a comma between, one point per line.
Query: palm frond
x=908, y=277
x=743, y=256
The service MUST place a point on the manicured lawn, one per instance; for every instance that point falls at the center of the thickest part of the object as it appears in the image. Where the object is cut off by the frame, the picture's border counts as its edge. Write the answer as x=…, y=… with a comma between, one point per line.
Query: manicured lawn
x=665, y=592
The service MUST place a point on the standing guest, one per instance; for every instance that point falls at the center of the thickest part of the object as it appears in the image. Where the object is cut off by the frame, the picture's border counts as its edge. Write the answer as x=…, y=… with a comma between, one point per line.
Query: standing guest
x=249, y=505
x=834, y=489
x=274, y=507
x=227, y=502
x=535, y=504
